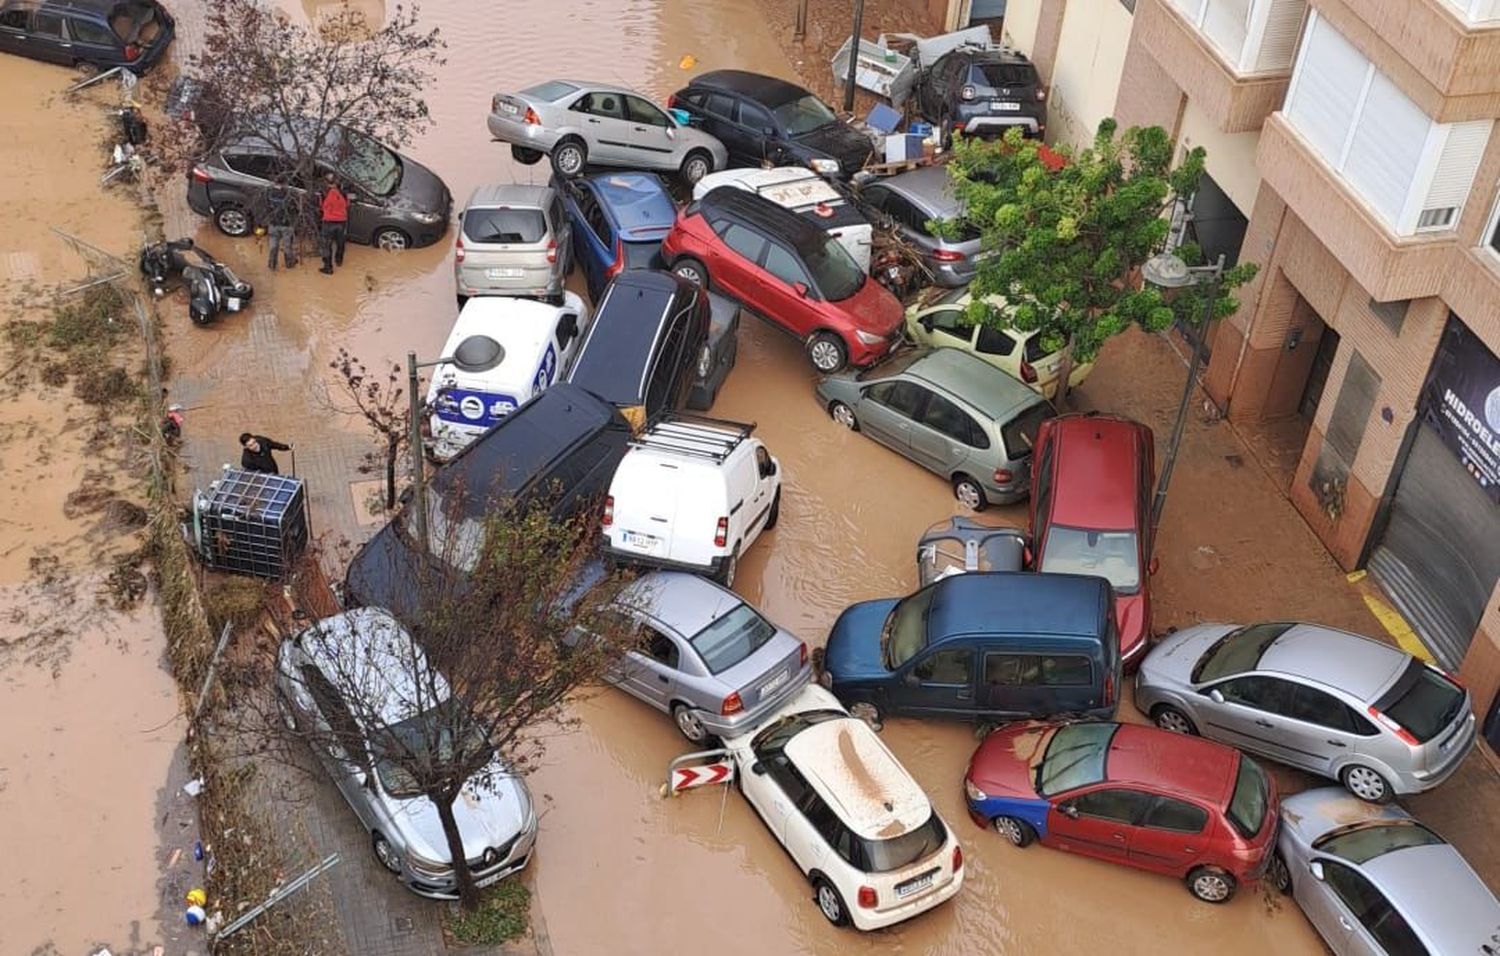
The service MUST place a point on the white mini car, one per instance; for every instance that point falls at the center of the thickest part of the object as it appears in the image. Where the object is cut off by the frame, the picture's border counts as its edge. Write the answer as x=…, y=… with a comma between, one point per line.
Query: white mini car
x=856, y=823
x=502, y=352
x=806, y=193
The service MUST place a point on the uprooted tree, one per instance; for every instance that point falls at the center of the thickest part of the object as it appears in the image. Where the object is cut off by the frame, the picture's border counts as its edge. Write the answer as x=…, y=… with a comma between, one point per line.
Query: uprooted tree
x=1069, y=237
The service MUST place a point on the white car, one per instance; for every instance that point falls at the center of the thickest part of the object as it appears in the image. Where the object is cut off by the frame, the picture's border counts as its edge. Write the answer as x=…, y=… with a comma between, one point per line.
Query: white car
x=501, y=353
x=806, y=193
x=850, y=816
x=692, y=494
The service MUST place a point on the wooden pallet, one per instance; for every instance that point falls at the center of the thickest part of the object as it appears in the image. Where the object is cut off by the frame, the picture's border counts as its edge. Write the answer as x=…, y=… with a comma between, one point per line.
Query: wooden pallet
x=905, y=165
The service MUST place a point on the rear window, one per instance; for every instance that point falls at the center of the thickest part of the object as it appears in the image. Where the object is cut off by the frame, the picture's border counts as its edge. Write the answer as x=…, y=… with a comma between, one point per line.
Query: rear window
x=1238, y=651
x=1423, y=701
x=883, y=856
x=1019, y=434
x=1034, y=351
x=505, y=225
x=731, y=638
x=1250, y=800
x=1004, y=74
x=550, y=91
x=1075, y=758
x=1363, y=842
x=644, y=255
x=135, y=23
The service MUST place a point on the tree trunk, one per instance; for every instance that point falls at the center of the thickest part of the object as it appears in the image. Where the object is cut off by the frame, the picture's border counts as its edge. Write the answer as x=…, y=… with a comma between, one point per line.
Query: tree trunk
x=468, y=893
x=1064, y=373
x=392, y=447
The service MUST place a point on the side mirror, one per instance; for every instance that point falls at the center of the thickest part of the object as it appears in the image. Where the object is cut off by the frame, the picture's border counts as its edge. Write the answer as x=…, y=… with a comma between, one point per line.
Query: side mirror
x=1316, y=869
x=1216, y=697
x=758, y=768
x=1153, y=566
x=1068, y=810
x=910, y=679
x=800, y=288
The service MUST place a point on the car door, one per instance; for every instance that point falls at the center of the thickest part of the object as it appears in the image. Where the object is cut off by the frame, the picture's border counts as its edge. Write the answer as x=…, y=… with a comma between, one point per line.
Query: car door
x=938, y=683
x=719, y=112
x=1173, y=836
x=653, y=140
x=1099, y=823
x=1324, y=729
x=92, y=41
x=787, y=294
x=765, y=469
x=946, y=326
x=736, y=269
x=593, y=238
x=341, y=746
x=1252, y=714
x=15, y=30
x=602, y=119
x=49, y=38
x=652, y=672
x=565, y=339
x=759, y=130
x=887, y=409
x=945, y=437
x=366, y=212
x=1346, y=907
x=999, y=349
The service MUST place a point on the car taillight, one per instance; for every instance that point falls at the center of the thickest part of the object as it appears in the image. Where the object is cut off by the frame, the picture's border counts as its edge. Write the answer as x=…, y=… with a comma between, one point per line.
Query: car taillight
x=1004, y=476
x=958, y=858
x=200, y=175
x=551, y=250
x=609, y=512
x=618, y=266
x=948, y=255
x=802, y=661
x=732, y=705
x=1041, y=94
x=721, y=533
x=867, y=898
x=132, y=51
x=458, y=249
x=531, y=119
x=1395, y=728
x=1028, y=374
x=1109, y=689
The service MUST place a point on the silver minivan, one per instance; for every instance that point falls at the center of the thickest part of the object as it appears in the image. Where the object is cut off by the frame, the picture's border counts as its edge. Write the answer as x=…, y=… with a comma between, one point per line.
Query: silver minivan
x=512, y=240
x=1339, y=705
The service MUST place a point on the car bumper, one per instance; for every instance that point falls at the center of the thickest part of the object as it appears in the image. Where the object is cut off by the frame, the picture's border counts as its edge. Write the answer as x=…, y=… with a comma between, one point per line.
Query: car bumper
x=1132, y=658
x=512, y=287
x=863, y=356
x=517, y=133
x=197, y=198
x=1005, y=494
x=513, y=860
x=951, y=275
x=746, y=721
x=995, y=124
x=866, y=920
x=1419, y=780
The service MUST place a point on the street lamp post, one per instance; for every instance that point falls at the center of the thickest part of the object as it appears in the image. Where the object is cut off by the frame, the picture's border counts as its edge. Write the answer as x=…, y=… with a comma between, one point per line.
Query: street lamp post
x=1168, y=271
x=418, y=476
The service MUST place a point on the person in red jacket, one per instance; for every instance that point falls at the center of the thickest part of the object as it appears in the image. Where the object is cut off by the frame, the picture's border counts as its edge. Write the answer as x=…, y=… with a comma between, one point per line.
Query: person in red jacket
x=334, y=226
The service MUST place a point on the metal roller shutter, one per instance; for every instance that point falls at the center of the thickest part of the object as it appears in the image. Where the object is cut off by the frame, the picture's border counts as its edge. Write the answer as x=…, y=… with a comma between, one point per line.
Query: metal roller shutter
x=987, y=9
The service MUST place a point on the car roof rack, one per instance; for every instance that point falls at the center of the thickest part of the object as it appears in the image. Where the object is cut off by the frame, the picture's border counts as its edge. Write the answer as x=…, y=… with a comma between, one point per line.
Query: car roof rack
x=696, y=435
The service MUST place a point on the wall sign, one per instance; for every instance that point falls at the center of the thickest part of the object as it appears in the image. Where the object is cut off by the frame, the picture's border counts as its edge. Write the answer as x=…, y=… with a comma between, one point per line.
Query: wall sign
x=1461, y=402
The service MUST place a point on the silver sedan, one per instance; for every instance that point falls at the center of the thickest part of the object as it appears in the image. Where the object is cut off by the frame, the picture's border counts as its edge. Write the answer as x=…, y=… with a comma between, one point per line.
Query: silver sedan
x=583, y=124
x=1375, y=882
x=1361, y=712
x=704, y=656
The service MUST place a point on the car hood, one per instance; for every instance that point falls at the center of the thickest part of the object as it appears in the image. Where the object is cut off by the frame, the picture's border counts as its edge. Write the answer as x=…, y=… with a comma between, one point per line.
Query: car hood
x=853, y=651
x=1171, y=661
x=875, y=310
x=1005, y=764
x=490, y=811
x=1130, y=620
x=839, y=141
x=387, y=573
x=420, y=190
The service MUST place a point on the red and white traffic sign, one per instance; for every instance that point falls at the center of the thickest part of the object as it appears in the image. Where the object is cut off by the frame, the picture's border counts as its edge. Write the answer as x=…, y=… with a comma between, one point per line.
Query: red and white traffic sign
x=688, y=778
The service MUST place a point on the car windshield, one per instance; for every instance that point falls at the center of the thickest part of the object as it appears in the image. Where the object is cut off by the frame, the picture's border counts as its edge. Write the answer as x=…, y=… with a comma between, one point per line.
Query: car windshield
x=504, y=225
x=370, y=164
x=1363, y=842
x=895, y=365
x=455, y=540
x=1237, y=652
x=883, y=856
x=804, y=115
x=905, y=630
x=404, y=749
x=1075, y=757
x=732, y=637
x=774, y=738
x=836, y=273
x=1424, y=702
x=1115, y=555
x=1250, y=800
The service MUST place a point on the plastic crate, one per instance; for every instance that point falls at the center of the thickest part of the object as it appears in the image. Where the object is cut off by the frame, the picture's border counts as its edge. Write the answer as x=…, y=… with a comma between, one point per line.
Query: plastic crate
x=249, y=522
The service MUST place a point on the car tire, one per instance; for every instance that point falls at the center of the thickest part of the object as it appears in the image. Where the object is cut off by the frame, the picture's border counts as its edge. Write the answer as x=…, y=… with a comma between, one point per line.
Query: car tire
x=775, y=514
x=570, y=158
x=526, y=156
x=830, y=903
x=1366, y=783
x=695, y=166
x=461, y=300
x=691, y=270
x=1170, y=718
x=390, y=239
x=867, y=712
x=689, y=725
x=1278, y=874
x=728, y=569
x=827, y=353
x=968, y=493
x=1211, y=884
x=844, y=415
x=1020, y=833
x=233, y=220
x=385, y=853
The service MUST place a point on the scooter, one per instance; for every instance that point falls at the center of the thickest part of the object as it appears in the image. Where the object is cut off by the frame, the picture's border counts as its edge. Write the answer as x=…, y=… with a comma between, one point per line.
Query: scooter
x=211, y=285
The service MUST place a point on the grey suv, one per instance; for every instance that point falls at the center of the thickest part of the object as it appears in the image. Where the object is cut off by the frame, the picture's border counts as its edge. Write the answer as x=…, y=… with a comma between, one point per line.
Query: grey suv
x=1361, y=712
x=512, y=240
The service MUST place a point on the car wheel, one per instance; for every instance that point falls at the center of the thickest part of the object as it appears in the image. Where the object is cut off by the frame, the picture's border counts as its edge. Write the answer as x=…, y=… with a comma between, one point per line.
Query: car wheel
x=868, y=713
x=688, y=724
x=1366, y=784
x=830, y=903
x=728, y=568
x=1279, y=875
x=391, y=239
x=691, y=270
x=775, y=514
x=1170, y=718
x=844, y=415
x=233, y=221
x=386, y=854
x=697, y=165
x=525, y=156
x=1018, y=832
x=827, y=353
x=461, y=300
x=968, y=493
x=569, y=158
x=1210, y=884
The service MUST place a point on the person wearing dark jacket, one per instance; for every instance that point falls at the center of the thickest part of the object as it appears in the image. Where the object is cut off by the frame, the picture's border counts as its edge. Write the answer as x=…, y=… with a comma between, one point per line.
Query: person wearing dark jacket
x=280, y=217
x=257, y=456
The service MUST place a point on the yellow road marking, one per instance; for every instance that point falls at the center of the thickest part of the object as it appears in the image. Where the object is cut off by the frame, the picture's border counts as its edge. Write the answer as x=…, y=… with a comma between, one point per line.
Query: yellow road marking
x=1395, y=625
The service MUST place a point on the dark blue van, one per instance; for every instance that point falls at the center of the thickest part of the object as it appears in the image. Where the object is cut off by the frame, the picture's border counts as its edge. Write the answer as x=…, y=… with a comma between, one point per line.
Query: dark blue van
x=988, y=646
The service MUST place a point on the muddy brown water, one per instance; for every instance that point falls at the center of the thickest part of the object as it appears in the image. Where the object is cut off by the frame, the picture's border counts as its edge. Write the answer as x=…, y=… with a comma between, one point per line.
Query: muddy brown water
x=619, y=869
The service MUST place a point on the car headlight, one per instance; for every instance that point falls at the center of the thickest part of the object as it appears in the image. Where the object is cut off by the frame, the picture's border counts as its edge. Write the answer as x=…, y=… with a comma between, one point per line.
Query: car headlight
x=868, y=338
x=828, y=167
x=428, y=218
x=705, y=362
x=428, y=868
x=973, y=792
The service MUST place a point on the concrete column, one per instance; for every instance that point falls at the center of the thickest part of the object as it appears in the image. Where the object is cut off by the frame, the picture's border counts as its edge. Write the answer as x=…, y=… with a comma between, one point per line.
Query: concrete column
x=1048, y=35
x=1147, y=96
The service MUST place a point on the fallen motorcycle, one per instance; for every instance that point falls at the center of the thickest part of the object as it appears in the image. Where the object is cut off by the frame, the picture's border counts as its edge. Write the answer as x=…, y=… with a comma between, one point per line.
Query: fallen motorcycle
x=211, y=285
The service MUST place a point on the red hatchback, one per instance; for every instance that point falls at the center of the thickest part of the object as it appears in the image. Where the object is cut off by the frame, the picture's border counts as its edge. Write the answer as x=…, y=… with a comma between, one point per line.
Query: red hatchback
x=1130, y=794
x=783, y=268
x=1091, y=486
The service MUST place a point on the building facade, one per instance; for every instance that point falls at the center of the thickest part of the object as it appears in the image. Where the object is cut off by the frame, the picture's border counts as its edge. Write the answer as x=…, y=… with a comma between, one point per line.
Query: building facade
x=1353, y=154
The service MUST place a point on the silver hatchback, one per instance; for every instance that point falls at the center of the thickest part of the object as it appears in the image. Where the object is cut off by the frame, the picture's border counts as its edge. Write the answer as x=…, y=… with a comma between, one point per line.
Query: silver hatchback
x=1361, y=712
x=512, y=240
x=1375, y=882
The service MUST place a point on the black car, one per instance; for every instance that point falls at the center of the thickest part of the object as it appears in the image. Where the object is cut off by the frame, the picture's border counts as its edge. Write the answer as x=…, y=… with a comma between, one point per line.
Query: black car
x=762, y=119
x=394, y=202
x=648, y=345
x=104, y=33
x=564, y=443
x=982, y=91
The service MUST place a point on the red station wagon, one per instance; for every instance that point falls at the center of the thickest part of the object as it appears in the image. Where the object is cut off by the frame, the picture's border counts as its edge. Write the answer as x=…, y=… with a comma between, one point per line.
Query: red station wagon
x=786, y=270
x=1131, y=794
x=1091, y=484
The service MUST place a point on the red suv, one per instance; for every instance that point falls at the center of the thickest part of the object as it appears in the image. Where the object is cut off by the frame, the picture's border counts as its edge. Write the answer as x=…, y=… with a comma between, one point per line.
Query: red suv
x=788, y=271
x=1091, y=485
x=1136, y=795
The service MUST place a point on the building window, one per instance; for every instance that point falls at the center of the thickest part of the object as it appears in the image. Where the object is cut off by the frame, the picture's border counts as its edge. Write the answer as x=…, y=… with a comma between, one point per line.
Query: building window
x=1413, y=173
x=1477, y=11
x=1491, y=236
x=1392, y=315
x=1253, y=36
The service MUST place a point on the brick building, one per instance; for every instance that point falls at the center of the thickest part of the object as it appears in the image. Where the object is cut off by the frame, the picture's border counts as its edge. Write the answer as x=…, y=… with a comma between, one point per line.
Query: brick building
x=1352, y=154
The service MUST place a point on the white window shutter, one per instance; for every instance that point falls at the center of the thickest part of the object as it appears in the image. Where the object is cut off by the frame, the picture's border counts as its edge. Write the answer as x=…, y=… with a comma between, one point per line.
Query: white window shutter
x=1454, y=175
x=1326, y=89
x=1387, y=148
x=1279, y=41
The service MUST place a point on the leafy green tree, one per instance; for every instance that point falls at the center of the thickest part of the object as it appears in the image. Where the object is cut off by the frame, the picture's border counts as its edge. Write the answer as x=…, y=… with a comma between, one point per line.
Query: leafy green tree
x=1069, y=232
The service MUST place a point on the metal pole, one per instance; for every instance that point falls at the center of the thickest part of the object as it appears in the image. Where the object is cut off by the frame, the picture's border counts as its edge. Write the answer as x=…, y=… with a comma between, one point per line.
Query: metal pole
x=799, y=26
x=1187, y=396
x=213, y=664
x=418, y=487
x=859, y=22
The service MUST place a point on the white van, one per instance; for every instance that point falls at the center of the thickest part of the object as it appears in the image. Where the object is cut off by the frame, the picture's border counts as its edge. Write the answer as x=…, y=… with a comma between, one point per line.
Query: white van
x=502, y=352
x=692, y=494
x=806, y=193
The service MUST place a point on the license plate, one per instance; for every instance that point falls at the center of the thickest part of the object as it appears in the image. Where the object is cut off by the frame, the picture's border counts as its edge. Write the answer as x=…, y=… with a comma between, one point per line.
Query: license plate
x=510, y=108
x=494, y=878
x=504, y=273
x=911, y=887
x=770, y=686
x=643, y=542
x=1004, y=107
